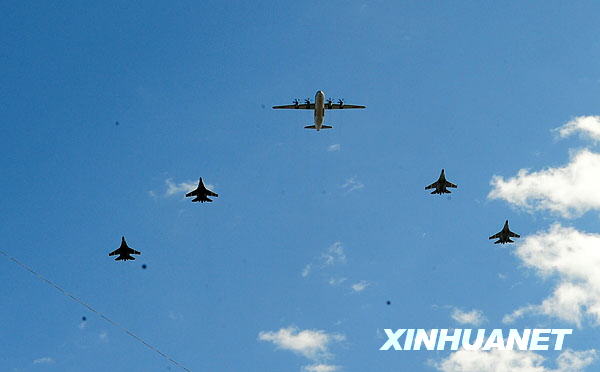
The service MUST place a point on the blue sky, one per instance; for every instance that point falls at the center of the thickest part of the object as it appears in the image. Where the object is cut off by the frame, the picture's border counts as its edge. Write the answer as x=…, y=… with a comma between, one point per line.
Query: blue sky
x=475, y=88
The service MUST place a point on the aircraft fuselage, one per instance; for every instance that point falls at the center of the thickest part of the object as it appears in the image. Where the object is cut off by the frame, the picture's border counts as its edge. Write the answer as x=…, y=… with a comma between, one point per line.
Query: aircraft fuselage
x=319, y=109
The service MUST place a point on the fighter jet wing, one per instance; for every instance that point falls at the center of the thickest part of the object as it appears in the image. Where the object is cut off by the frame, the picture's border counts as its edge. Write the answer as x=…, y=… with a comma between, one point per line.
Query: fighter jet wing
x=450, y=184
x=496, y=236
x=514, y=235
x=210, y=193
x=337, y=106
x=132, y=251
x=432, y=186
x=115, y=252
x=123, y=251
x=192, y=193
x=300, y=106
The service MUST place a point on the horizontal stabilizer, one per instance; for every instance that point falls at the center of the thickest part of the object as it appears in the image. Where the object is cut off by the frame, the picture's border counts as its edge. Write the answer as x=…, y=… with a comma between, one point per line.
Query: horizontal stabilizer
x=124, y=258
x=310, y=127
x=326, y=127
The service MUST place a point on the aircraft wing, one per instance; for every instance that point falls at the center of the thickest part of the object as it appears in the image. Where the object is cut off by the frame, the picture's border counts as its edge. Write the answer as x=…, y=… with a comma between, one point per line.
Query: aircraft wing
x=210, y=193
x=132, y=251
x=450, y=184
x=514, y=235
x=432, y=186
x=300, y=106
x=192, y=193
x=115, y=252
x=337, y=106
x=496, y=236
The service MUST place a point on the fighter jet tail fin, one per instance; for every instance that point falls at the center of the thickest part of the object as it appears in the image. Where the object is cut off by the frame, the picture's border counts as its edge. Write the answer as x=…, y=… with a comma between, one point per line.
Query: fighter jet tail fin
x=310, y=127
x=326, y=127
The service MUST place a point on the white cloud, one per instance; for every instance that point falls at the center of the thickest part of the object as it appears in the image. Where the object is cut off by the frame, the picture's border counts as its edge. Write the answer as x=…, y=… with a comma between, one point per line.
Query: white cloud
x=336, y=281
x=571, y=257
x=360, y=286
x=474, y=317
x=306, y=270
x=320, y=368
x=570, y=190
x=334, y=147
x=586, y=126
x=312, y=344
x=103, y=336
x=44, y=360
x=334, y=255
x=352, y=184
x=177, y=188
x=513, y=361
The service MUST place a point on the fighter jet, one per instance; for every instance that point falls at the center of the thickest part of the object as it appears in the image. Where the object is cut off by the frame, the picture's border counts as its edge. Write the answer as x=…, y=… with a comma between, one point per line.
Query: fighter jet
x=201, y=193
x=319, y=108
x=505, y=235
x=440, y=185
x=124, y=252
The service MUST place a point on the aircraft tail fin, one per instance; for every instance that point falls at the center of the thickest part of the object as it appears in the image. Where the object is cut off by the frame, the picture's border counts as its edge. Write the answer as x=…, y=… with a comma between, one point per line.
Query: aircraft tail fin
x=326, y=127
x=310, y=127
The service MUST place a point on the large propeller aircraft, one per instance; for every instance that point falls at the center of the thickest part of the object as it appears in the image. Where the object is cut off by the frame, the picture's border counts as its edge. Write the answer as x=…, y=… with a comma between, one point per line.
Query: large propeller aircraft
x=319, y=107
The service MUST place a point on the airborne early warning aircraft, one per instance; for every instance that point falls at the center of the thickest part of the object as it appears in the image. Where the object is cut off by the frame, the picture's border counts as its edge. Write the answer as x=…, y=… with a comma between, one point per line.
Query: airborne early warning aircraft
x=124, y=252
x=505, y=235
x=201, y=193
x=440, y=185
x=319, y=108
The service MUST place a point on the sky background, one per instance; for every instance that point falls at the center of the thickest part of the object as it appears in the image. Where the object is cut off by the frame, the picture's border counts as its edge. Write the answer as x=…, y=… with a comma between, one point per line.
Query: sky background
x=312, y=231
